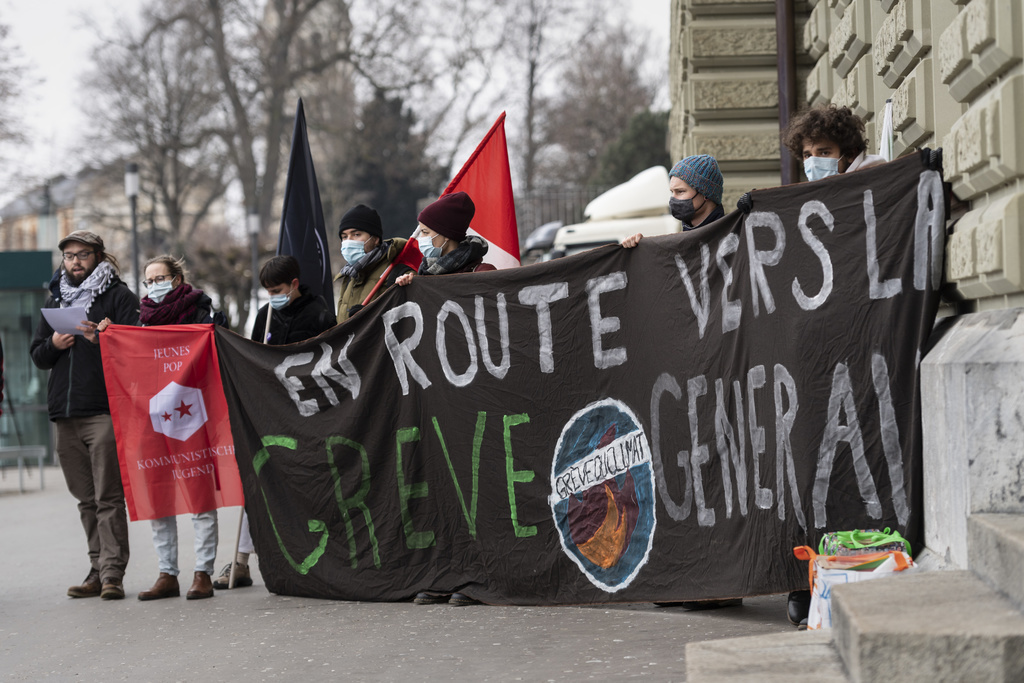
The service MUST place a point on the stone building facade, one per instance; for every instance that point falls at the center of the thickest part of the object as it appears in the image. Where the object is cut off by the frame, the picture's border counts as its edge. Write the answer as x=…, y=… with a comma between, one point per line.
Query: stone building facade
x=954, y=70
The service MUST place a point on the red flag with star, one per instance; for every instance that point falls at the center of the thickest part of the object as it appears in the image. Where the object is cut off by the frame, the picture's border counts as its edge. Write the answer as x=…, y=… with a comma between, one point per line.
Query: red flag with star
x=170, y=420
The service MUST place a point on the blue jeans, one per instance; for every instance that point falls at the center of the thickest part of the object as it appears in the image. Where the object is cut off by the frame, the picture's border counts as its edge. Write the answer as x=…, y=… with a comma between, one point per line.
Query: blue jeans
x=165, y=540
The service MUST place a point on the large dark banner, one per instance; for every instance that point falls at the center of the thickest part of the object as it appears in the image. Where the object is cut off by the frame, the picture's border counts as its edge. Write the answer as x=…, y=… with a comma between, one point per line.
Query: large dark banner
x=650, y=424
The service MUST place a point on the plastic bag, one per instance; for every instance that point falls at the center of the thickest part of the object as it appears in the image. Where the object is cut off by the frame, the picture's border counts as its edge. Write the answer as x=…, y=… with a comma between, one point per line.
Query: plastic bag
x=827, y=571
x=860, y=541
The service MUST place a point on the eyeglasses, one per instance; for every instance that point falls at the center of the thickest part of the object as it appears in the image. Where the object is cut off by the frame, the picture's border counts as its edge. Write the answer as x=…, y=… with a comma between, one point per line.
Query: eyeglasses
x=80, y=256
x=158, y=278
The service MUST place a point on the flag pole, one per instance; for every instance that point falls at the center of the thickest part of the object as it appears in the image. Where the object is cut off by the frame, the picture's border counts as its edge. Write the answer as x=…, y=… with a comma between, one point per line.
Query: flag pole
x=404, y=257
x=380, y=281
x=238, y=540
x=241, y=514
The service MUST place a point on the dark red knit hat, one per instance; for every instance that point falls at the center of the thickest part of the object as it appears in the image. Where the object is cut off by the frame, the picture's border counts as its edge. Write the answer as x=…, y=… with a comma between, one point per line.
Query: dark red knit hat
x=449, y=216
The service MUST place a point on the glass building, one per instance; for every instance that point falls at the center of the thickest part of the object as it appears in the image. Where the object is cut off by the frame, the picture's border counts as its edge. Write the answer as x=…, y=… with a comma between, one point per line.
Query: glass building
x=23, y=279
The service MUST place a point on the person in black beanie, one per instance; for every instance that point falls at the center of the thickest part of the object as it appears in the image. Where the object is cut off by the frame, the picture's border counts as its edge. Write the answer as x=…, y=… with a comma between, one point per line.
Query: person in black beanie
x=443, y=241
x=367, y=255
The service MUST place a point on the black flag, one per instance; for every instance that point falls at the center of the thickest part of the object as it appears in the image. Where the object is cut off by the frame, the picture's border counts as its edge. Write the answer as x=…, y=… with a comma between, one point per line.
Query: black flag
x=302, y=218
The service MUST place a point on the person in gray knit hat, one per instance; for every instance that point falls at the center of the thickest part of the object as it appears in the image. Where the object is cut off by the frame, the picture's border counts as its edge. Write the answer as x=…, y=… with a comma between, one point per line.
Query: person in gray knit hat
x=695, y=186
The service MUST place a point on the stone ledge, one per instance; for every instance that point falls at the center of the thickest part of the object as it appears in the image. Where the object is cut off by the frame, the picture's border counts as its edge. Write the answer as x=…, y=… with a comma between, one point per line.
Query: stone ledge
x=797, y=657
x=928, y=627
x=996, y=546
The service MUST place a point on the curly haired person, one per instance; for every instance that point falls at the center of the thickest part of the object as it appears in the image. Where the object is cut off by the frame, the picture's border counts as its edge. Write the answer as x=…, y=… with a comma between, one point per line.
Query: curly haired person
x=829, y=140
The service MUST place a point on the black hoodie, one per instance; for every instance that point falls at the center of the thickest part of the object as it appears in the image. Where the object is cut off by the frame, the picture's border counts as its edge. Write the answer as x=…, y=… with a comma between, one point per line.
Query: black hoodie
x=302, y=319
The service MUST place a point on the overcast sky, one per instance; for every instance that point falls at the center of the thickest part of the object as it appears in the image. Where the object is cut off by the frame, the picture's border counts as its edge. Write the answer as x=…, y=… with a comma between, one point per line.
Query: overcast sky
x=56, y=43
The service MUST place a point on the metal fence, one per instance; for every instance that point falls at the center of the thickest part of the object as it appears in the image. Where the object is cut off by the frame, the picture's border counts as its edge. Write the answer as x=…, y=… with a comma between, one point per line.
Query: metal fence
x=544, y=205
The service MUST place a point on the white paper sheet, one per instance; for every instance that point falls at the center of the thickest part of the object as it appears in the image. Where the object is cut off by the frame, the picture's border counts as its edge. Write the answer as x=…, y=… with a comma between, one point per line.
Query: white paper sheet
x=65, y=320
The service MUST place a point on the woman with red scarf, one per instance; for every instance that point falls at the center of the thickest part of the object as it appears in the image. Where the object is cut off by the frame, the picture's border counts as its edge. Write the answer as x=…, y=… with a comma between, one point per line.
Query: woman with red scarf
x=172, y=301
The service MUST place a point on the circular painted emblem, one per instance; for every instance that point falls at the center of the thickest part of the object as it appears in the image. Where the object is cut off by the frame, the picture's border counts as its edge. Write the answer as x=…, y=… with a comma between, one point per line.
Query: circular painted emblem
x=602, y=493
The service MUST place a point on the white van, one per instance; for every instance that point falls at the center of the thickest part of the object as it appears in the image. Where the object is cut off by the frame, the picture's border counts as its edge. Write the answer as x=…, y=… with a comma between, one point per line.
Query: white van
x=638, y=205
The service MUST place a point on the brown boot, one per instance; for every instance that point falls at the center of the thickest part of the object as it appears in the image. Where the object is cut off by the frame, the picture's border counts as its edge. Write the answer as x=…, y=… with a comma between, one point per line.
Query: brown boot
x=202, y=587
x=90, y=588
x=166, y=586
x=113, y=589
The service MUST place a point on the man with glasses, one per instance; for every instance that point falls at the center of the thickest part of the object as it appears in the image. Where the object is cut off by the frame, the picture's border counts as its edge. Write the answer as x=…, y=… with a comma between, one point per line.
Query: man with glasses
x=77, y=403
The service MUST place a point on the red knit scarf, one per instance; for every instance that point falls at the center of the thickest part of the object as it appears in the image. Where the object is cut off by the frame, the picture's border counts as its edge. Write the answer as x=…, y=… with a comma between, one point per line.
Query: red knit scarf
x=177, y=308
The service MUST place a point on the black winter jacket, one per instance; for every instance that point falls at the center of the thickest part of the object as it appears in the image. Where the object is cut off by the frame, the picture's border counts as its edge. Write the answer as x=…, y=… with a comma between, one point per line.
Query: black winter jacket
x=76, y=387
x=302, y=319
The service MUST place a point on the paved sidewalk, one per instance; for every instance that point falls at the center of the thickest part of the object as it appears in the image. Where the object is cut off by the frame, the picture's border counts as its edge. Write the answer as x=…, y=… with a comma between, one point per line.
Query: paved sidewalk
x=250, y=634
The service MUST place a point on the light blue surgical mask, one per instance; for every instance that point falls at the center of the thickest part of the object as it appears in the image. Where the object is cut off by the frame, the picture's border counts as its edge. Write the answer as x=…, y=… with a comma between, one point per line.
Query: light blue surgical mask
x=817, y=168
x=352, y=250
x=158, y=290
x=427, y=247
x=279, y=301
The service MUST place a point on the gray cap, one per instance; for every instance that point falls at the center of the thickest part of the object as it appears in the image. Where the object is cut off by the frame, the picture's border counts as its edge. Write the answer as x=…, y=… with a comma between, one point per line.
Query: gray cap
x=83, y=236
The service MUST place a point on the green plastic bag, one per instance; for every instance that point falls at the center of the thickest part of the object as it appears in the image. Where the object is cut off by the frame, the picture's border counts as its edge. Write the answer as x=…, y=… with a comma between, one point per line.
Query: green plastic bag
x=862, y=541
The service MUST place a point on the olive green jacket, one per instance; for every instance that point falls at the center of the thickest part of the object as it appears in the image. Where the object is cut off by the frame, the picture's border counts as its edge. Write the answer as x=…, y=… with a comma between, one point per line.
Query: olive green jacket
x=354, y=290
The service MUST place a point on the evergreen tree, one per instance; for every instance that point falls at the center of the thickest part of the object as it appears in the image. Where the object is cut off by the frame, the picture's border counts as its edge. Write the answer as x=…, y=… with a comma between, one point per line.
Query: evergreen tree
x=388, y=168
x=643, y=144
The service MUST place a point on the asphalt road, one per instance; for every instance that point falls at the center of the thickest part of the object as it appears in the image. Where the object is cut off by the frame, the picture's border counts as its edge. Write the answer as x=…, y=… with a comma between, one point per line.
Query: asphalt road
x=254, y=635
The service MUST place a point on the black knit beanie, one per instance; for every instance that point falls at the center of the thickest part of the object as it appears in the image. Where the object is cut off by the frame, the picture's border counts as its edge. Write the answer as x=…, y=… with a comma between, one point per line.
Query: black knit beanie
x=362, y=217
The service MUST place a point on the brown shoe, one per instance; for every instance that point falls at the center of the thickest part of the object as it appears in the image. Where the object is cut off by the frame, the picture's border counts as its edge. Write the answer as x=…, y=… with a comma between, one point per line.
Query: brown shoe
x=90, y=588
x=112, y=589
x=202, y=587
x=166, y=586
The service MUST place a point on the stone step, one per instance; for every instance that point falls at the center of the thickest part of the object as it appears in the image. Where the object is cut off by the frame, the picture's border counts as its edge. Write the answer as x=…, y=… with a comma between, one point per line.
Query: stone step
x=928, y=626
x=797, y=657
x=996, y=543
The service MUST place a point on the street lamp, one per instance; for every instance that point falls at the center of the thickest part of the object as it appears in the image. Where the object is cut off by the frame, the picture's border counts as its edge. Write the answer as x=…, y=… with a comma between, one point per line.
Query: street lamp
x=253, y=221
x=131, y=190
x=46, y=234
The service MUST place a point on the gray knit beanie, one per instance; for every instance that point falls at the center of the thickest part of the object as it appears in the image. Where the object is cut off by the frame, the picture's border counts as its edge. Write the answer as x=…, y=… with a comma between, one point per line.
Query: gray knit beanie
x=701, y=173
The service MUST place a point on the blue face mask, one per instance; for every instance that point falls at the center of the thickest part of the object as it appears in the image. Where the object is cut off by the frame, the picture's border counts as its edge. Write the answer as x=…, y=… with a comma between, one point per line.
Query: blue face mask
x=279, y=301
x=352, y=250
x=817, y=168
x=159, y=290
x=427, y=247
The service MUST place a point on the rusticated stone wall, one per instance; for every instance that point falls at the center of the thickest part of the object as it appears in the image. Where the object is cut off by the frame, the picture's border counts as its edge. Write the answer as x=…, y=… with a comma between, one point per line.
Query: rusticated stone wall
x=724, y=89
x=954, y=70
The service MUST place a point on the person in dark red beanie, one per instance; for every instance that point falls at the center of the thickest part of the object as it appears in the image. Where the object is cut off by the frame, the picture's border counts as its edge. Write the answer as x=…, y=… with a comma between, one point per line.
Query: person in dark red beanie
x=443, y=241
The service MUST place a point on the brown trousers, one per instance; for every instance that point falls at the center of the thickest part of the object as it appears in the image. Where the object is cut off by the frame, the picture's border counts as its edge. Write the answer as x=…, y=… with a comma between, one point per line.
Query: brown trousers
x=88, y=457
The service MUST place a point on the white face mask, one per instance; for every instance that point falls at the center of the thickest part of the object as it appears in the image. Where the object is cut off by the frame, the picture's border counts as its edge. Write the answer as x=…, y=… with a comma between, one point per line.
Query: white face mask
x=158, y=290
x=352, y=250
x=427, y=248
x=279, y=301
x=817, y=168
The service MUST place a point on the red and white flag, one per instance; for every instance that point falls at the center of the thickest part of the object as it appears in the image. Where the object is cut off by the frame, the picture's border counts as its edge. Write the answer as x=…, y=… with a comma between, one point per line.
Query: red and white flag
x=170, y=419
x=486, y=178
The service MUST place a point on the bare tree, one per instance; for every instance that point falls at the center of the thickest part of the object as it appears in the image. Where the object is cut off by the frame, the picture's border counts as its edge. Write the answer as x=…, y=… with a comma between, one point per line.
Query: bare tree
x=13, y=72
x=265, y=53
x=542, y=34
x=154, y=99
x=601, y=88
